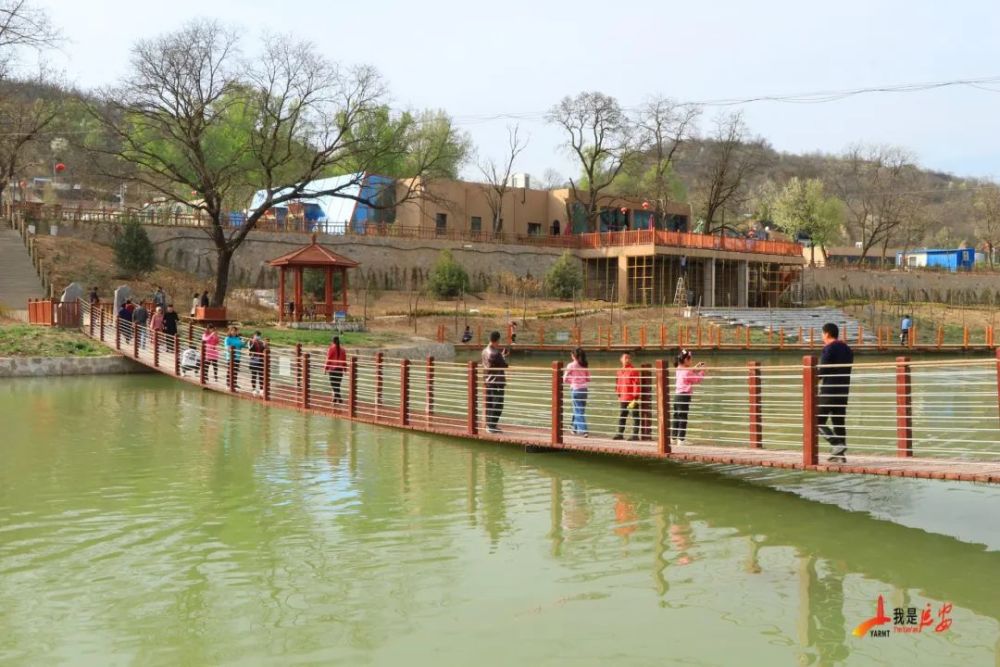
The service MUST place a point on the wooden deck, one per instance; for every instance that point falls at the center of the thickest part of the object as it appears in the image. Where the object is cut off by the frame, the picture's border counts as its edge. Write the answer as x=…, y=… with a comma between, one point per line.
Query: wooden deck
x=541, y=437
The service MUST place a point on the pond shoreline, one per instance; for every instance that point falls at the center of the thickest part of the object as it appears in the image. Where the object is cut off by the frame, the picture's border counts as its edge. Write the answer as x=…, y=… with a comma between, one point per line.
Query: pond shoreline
x=27, y=367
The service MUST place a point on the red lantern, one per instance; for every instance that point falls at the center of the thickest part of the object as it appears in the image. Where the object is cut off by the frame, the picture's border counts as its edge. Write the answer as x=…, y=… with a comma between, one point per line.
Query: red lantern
x=60, y=167
x=645, y=206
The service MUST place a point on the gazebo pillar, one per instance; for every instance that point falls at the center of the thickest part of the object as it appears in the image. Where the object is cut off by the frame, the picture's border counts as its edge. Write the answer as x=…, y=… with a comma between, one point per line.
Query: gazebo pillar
x=328, y=294
x=298, y=293
x=281, y=295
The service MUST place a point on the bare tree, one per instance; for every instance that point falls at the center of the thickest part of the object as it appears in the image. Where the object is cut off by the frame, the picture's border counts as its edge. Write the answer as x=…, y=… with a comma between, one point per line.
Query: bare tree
x=27, y=109
x=876, y=183
x=195, y=117
x=497, y=176
x=729, y=158
x=987, y=205
x=22, y=26
x=666, y=126
x=602, y=138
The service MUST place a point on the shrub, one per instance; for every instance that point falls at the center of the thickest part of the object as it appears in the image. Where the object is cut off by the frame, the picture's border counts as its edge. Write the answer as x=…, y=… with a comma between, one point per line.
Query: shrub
x=447, y=278
x=564, y=278
x=134, y=254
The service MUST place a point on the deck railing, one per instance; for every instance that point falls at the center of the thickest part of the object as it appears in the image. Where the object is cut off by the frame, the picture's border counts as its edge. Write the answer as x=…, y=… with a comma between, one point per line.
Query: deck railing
x=929, y=417
x=385, y=230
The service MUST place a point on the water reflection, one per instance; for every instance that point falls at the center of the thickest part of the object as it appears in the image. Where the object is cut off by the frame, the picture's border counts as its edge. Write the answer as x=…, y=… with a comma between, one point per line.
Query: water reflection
x=166, y=522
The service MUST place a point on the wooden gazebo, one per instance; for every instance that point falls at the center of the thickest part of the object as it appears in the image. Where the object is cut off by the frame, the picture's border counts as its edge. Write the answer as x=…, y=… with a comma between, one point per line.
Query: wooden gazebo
x=312, y=256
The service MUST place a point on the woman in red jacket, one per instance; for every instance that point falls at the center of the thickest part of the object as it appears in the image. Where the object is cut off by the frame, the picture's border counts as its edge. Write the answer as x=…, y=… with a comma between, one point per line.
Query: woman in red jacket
x=627, y=388
x=336, y=363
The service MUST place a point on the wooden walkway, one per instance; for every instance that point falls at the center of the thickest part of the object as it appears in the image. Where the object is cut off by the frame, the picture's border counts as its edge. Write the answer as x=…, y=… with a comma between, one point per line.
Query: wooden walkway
x=303, y=388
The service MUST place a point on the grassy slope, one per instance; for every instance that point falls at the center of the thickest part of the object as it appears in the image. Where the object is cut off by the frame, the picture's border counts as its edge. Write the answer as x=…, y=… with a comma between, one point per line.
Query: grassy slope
x=23, y=340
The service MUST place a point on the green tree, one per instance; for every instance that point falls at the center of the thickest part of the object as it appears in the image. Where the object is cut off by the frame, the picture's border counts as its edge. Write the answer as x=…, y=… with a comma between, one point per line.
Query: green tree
x=447, y=278
x=801, y=207
x=134, y=254
x=201, y=125
x=564, y=277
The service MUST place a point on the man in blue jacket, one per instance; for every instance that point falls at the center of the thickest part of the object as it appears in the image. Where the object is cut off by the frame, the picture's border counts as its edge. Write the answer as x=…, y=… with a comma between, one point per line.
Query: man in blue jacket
x=835, y=376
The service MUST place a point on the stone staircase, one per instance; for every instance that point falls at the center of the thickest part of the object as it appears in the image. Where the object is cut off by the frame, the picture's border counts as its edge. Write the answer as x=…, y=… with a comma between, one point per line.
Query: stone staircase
x=18, y=279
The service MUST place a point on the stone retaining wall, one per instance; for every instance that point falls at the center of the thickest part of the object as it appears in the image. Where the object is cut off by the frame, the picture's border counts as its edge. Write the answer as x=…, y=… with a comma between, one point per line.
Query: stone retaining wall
x=58, y=366
x=848, y=284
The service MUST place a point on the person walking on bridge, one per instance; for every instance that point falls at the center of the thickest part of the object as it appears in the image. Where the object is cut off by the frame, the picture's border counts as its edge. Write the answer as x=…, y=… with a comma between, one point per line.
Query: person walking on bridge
x=336, y=364
x=577, y=376
x=140, y=316
x=687, y=376
x=835, y=376
x=494, y=360
x=627, y=388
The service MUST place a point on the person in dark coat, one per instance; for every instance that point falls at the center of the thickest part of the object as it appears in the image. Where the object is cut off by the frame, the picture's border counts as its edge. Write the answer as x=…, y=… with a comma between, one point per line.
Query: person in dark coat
x=835, y=387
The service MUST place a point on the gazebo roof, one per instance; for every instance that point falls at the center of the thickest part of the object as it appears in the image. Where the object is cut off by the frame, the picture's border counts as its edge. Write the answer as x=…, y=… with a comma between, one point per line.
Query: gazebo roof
x=313, y=256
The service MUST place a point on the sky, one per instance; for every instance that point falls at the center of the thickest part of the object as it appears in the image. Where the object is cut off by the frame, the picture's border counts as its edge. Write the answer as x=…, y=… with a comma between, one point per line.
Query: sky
x=479, y=59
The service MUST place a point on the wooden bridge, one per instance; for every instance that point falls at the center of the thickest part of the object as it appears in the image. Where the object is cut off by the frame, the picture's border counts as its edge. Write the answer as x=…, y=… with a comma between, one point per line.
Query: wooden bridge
x=934, y=419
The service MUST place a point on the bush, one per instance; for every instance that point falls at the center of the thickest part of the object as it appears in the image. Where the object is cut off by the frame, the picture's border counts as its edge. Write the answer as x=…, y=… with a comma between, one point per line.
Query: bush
x=134, y=254
x=447, y=278
x=565, y=277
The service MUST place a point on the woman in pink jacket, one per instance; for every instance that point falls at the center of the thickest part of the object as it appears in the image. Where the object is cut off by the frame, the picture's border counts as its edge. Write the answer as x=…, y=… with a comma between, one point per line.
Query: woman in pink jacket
x=578, y=378
x=688, y=376
x=211, y=340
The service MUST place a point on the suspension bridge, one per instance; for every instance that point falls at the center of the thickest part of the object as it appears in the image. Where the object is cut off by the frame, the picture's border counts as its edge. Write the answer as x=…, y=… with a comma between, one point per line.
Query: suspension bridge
x=924, y=419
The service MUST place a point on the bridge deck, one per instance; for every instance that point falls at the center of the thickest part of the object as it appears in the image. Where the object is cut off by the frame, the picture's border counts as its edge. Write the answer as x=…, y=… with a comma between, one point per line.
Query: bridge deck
x=538, y=435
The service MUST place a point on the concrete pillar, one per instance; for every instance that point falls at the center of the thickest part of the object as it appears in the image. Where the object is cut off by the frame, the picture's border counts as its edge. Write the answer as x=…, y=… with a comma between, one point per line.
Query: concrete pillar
x=622, y=279
x=742, y=283
x=708, y=290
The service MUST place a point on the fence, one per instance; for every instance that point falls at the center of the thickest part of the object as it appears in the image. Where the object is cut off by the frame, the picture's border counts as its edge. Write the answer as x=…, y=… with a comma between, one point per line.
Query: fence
x=943, y=412
x=50, y=313
x=701, y=335
x=383, y=230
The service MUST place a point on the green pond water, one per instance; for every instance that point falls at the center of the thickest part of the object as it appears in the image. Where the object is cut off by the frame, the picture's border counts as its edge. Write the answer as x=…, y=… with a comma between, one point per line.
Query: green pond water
x=144, y=522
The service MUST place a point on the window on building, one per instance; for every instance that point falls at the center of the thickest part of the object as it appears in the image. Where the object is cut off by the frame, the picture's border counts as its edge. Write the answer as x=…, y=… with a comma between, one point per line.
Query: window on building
x=476, y=224
x=534, y=229
x=441, y=223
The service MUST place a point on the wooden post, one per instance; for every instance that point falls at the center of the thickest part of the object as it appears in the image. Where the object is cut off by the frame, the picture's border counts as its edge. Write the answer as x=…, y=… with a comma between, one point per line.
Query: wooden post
x=557, y=403
x=781, y=338
x=624, y=334
x=378, y=383
x=267, y=372
x=118, y=333
x=541, y=336
x=699, y=334
x=472, y=425
x=298, y=367
x=645, y=402
x=177, y=355
x=156, y=347
x=663, y=407
x=747, y=346
x=911, y=337
x=812, y=338
x=940, y=336
x=404, y=392
x=304, y=360
x=756, y=413
x=91, y=322
x=230, y=368
x=609, y=338
x=861, y=337
x=663, y=335
x=810, y=435
x=429, y=403
x=203, y=367
x=190, y=332
x=965, y=336
x=352, y=387
x=801, y=339
x=101, y=321
x=135, y=340
x=642, y=337
x=904, y=409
